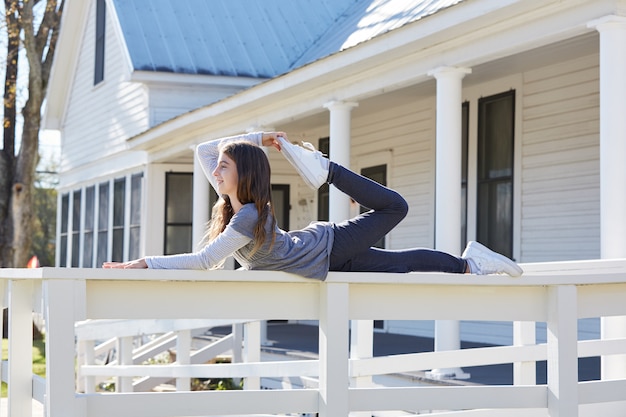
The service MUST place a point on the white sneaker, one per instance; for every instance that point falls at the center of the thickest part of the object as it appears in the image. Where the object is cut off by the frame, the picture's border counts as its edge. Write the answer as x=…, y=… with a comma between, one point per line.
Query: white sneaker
x=488, y=261
x=310, y=163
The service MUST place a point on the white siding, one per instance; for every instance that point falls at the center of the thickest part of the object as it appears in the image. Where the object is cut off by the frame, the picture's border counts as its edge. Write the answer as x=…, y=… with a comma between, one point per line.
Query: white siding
x=560, y=168
x=167, y=102
x=408, y=131
x=100, y=118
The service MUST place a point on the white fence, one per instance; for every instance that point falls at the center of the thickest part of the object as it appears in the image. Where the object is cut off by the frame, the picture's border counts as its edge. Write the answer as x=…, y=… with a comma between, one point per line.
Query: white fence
x=558, y=294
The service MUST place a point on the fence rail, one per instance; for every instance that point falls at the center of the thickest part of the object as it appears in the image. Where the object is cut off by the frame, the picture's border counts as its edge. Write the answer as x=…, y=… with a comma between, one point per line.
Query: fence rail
x=555, y=293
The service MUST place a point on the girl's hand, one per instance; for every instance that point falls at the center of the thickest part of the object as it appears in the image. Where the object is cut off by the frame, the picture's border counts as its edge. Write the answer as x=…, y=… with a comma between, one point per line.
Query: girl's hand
x=136, y=264
x=271, y=139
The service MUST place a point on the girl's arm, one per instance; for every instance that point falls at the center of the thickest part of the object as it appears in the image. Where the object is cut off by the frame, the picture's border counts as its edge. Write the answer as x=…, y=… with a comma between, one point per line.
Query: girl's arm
x=209, y=152
x=211, y=255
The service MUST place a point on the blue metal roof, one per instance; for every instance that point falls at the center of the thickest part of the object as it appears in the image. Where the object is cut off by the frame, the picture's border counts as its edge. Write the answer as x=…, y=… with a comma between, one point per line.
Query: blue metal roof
x=251, y=38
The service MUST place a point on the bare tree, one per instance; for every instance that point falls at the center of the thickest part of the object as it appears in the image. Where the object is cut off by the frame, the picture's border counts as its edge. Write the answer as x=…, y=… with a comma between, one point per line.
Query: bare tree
x=38, y=37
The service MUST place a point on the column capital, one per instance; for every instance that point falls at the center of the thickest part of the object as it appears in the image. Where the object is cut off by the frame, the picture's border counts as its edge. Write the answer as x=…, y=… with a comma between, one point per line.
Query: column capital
x=446, y=71
x=603, y=22
x=259, y=128
x=339, y=104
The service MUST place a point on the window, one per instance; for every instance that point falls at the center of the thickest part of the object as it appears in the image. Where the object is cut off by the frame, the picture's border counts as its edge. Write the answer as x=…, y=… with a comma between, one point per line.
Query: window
x=323, y=212
x=103, y=223
x=178, y=212
x=119, y=199
x=280, y=201
x=464, y=156
x=65, y=207
x=100, y=37
x=376, y=173
x=76, y=228
x=134, y=227
x=90, y=196
x=495, y=172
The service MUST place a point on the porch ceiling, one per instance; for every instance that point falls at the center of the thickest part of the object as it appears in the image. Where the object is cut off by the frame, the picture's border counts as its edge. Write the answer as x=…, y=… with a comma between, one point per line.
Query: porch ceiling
x=547, y=55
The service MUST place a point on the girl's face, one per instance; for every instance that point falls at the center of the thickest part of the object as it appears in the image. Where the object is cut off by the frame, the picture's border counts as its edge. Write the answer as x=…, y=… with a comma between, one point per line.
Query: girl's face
x=226, y=176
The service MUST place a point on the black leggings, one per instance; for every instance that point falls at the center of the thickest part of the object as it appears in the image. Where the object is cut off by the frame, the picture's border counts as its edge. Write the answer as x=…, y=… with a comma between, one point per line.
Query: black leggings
x=352, y=246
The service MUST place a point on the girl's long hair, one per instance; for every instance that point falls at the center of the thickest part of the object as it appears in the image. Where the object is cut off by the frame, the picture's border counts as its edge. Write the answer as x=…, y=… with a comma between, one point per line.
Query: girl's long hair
x=253, y=186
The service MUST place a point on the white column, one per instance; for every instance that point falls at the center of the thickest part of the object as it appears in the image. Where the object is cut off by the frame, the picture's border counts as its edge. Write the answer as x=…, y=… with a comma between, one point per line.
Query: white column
x=339, y=209
x=612, y=168
x=201, y=209
x=448, y=193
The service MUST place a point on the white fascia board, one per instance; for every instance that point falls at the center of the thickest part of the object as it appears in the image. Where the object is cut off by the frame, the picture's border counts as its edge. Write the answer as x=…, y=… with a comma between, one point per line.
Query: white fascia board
x=474, y=32
x=176, y=79
x=73, y=22
x=119, y=35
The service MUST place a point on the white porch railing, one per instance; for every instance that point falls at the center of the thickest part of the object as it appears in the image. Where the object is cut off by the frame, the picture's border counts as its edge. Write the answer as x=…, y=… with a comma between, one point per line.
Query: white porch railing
x=557, y=293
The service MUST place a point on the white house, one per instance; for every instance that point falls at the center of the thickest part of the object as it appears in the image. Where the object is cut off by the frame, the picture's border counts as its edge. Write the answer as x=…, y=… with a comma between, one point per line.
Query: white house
x=500, y=121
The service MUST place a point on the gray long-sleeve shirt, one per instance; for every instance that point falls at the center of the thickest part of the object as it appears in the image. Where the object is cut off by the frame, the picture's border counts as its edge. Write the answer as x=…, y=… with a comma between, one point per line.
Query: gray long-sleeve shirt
x=303, y=252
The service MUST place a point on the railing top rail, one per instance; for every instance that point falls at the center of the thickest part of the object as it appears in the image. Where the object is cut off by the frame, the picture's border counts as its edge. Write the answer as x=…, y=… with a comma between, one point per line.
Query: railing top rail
x=607, y=271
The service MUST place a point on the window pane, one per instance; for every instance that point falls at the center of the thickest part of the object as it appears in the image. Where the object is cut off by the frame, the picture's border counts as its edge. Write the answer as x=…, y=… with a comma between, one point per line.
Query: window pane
x=178, y=239
x=178, y=212
x=118, y=245
x=103, y=224
x=76, y=228
x=119, y=195
x=101, y=256
x=280, y=201
x=464, y=169
x=76, y=211
x=100, y=39
x=135, y=198
x=495, y=215
x=134, y=243
x=495, y=172
x=136, y=183
x=495, y=146
x=179, y=190
x=63, y=252
x=103, y=206
x=90, y=199
x=376, y=173
x=88, y=250
x=75, y=250
x=65, y=207
x=90, y=194
x=323, y=192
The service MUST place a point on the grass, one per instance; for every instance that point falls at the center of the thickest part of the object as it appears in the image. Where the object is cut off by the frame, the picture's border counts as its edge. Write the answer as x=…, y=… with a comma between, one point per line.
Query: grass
x=39, y=359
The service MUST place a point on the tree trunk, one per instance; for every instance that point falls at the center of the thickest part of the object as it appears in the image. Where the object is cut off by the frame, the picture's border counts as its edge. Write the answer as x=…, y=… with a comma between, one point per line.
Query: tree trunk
x=7, y=154
x=22, y=190
x=16, y=185
x=6, y=219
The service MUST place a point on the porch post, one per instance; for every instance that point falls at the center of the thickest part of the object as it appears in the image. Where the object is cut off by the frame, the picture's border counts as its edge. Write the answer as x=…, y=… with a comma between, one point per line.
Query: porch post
x=20, y=364
x=612, y=168
x=448, y=193
x=200, y=216
x=334, y=378
x=339, y=209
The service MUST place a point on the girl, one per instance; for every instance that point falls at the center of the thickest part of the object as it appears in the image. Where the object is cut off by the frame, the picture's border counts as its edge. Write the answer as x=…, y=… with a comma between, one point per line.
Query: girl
x=243, y=222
